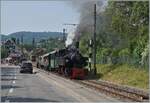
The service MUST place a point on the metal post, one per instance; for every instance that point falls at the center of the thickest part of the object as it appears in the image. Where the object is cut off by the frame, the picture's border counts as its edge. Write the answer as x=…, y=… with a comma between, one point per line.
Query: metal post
x=94, y=38
x=22, y=44
x=33, y=42
x=63, y=34
x=90, y=54
x=64, y=37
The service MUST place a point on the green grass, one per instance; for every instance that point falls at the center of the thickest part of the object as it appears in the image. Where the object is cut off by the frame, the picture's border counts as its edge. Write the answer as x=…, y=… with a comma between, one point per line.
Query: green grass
x=124, y=75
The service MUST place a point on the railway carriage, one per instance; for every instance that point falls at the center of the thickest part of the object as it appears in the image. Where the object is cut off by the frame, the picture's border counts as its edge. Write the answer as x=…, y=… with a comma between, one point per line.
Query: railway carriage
x=52, y=61
x=43, y=61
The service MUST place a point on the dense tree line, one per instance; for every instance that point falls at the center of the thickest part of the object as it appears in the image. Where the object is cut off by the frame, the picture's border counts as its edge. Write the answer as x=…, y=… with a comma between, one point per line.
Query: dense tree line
x=51, y=44
x=28, y=36
x=122, y=33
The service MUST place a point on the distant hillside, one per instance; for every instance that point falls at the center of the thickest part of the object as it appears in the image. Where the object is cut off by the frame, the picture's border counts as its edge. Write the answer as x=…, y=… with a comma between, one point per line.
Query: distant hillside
x=4, y=37
x=28, y=36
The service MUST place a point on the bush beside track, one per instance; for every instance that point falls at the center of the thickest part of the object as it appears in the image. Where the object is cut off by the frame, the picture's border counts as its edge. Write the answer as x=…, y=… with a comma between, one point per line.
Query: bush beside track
x=124, y=75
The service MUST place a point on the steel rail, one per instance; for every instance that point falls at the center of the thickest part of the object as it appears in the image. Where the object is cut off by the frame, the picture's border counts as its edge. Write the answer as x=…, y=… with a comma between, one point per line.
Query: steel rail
x=113, y=90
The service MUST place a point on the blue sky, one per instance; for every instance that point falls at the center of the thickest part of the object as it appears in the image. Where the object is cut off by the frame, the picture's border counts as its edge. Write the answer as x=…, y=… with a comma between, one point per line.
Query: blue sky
x=36, y=16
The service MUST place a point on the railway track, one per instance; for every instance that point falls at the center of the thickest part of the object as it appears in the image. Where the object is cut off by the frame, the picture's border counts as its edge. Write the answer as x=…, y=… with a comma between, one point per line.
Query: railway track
x=117, y=91
x=123, y=92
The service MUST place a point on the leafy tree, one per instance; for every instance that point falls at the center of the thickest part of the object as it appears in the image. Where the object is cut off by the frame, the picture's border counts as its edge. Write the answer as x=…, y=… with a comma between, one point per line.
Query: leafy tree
x=4, y=52
x=28, y=47
x=13, y=39
x=123, y=27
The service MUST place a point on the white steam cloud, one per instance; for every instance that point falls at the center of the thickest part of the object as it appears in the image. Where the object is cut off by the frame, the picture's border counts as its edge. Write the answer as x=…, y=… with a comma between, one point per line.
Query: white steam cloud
x=70, y=38
x=86, y=10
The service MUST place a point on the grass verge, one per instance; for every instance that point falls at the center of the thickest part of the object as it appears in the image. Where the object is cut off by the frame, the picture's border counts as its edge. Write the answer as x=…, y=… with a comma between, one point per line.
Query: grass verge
x=124, y=75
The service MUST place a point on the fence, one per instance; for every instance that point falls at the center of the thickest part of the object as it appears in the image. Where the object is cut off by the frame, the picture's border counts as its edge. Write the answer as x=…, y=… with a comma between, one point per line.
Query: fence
x=124, y=60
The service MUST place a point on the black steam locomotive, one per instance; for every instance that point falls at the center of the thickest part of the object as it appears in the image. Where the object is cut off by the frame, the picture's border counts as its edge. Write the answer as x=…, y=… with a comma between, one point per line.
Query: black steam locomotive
x=67, y=61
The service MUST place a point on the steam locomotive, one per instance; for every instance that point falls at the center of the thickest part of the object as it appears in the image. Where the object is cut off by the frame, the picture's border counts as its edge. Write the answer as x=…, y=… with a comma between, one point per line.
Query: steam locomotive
x=67, y=61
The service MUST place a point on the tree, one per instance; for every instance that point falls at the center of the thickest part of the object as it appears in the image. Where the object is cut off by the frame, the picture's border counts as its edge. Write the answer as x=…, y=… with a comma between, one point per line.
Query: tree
x=28, y=47
x=123, y=27
x=13, y=39
x=4, y=52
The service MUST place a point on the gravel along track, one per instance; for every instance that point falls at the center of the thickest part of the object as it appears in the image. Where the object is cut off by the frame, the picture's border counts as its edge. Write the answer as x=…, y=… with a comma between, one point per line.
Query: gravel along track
x=117, y=90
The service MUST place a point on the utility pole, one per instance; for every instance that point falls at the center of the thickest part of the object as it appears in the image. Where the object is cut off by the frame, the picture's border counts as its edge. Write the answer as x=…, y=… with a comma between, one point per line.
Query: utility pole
x=94, y=41
x=64, y=37
x=22, y=44
x=63, y=34
x=33, y=42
